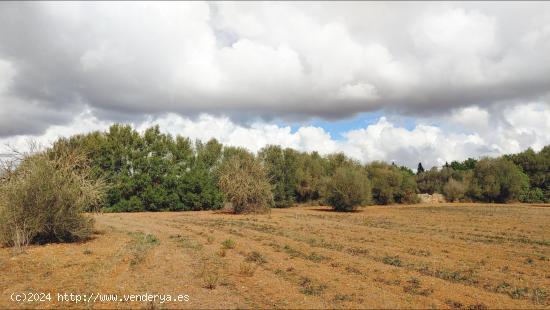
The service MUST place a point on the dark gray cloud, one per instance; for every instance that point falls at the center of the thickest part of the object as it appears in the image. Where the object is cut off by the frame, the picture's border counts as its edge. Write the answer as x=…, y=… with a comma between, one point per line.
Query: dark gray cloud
x=284, y=61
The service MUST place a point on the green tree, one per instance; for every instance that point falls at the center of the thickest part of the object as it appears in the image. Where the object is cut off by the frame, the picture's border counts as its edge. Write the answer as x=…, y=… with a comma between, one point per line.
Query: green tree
x=391, y=184
x=152, y=171
x=498, y=180
x=468, y=164
x=281, y=168
x=537, y=167
x=347, y=189
x=209, y=154
x=419, y=169
x=385, y=182
x=309, y=173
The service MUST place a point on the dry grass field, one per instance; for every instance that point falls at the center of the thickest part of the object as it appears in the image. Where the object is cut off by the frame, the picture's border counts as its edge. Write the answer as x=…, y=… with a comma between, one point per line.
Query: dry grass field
x=470, y=256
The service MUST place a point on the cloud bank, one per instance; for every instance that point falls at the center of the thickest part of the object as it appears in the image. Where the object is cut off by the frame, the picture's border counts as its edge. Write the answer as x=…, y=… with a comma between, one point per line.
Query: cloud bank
x=519, y=128
x=474, y=76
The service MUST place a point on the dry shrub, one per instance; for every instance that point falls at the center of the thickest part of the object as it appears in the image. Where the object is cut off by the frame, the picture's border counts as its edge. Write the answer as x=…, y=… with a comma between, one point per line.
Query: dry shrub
x=210, y=272
x=228, y=244
x=454, y=190
x=247, y=269
x=42, y=199
x=244, y=183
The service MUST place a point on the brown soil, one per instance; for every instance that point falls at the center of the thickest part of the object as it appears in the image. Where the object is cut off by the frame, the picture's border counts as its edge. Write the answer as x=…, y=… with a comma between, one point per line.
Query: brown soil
x=420, y=256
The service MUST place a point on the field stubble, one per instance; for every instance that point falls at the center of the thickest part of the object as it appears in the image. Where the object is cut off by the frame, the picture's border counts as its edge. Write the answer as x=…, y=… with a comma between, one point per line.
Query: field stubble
x=444, y=256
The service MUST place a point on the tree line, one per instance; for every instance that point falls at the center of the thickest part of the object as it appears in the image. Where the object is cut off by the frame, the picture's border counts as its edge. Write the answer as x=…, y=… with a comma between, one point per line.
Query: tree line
x=43, y=198
x=523, y=177
x=155, y=171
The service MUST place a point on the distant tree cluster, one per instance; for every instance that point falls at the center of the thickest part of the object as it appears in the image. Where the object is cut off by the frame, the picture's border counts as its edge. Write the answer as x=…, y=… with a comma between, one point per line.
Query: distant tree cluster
x=523, y=177
x=155, y=171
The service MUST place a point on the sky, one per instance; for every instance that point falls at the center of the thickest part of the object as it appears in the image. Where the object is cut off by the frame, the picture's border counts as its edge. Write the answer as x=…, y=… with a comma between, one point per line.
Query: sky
x=406, y=82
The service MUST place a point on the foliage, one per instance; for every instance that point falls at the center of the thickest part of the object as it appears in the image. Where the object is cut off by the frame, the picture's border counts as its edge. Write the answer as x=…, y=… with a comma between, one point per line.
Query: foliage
x=433, y=180
x=454, y=190
x=391, y=184
x=309, y=174
x=420, y=168
x=468, y=164
x=44, y=197
x=152, y=171
x=228, y=244
x=498, y=180
x=537, y=167
x=243, y=181
x=348, y=188
x=281, y=168
x=533, y=195
x=408, y=189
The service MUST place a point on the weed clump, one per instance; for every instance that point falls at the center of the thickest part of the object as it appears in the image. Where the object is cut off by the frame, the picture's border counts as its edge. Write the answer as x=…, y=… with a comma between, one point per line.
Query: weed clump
x=309, y=287
x=140, y=246
x=392, y=260
x=210, y=280
x=414, y=287
x=256, y=257
x=186, y=242
x=342, y=298
x=419, y=252
x=228, y=244
x=248, y=269
x=357, y=251
x=539, y=296
x=316, y=257
x=210, y=272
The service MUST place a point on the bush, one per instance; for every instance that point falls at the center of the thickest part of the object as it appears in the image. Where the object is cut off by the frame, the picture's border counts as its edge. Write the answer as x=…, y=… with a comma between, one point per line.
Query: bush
x=498, y=180
x=43, y=199
x=533, y=195
x=197, y=189
x=391, y=184
x=454, y=190
x=244, y=183
x=347, y=189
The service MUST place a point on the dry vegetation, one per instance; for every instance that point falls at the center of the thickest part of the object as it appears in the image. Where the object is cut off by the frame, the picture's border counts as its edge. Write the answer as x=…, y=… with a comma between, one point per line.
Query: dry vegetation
x=42, y=198
x=421, y=256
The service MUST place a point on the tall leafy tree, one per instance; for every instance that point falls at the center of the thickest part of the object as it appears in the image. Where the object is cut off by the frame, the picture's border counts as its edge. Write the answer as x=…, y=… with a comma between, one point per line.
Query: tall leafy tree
x=310, y=171
x=419, y=169
x=281, y=169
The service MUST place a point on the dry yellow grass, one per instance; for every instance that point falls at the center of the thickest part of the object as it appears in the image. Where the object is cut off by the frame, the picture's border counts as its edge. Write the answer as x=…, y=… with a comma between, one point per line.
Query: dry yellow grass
x=421, y=256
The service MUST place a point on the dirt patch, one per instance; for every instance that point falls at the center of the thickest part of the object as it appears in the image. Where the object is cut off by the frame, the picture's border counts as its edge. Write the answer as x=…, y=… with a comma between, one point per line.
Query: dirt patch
x=433, y=198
